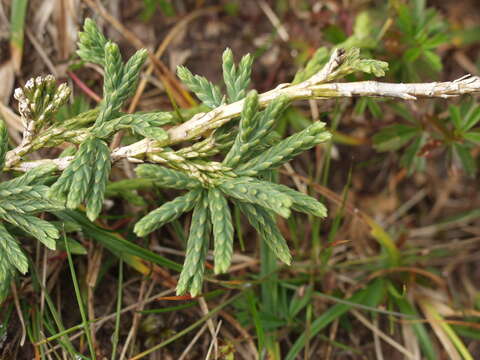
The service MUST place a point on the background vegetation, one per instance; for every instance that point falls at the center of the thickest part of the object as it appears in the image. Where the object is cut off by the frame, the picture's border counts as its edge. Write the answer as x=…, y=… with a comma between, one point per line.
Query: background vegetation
x=392, y=272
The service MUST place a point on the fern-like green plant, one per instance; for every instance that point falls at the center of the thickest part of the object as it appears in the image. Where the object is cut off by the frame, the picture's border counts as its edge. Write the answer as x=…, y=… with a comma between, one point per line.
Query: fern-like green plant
x=86, y=176
x=20, y=200
x=239, y=131
x=241, y=182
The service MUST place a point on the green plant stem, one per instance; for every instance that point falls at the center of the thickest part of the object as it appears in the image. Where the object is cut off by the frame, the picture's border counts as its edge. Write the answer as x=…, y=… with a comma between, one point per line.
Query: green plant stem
x=116, y=333
x=313, y=88
x=85, y=323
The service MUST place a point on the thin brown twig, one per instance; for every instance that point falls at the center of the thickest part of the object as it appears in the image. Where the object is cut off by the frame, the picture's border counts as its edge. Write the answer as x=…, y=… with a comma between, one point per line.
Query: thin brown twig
x=18, y=308
x=89, y=92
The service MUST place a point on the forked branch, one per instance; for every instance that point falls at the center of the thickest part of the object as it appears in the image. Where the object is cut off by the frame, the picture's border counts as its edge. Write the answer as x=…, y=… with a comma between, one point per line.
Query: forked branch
x=316, y=87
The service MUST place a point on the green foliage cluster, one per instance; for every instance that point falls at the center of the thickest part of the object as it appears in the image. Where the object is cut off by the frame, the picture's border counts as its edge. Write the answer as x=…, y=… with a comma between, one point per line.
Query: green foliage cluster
x=86, y=176
x=249, y=145
x=20, y=199
x=243, y=184
x=457, y=134
x=230, y=172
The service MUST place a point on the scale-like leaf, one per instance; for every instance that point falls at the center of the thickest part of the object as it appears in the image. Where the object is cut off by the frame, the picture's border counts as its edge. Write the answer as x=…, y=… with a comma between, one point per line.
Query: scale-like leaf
x=222, y=230
x=191, y=277
x=166, y=213
x=285, y=150
x=264, y=222
x=12, y=252
x=257, y=192
x=164, y=177
x=207, y=92
x=101, y=172
x=91, y=44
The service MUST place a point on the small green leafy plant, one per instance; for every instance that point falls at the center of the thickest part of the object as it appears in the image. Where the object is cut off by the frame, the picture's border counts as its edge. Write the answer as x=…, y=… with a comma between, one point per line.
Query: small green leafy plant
x=457, y=134
x=232, y=166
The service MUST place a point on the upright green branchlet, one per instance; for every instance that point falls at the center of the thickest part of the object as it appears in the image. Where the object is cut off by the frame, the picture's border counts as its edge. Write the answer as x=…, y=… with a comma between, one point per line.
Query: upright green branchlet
x=246, y=127
x=167, y=212
x=222, y=230
x=101, y=171
x=285, y=150
x=86, y=176
x=254, y=129
x=91, y=45
x=20, y=199
x=191, y=277
x=207, y=92
x=264, y=222
x=236, y=80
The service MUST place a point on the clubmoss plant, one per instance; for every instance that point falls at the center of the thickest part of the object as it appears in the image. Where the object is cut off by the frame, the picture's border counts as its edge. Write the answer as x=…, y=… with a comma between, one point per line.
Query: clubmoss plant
x=231, y=166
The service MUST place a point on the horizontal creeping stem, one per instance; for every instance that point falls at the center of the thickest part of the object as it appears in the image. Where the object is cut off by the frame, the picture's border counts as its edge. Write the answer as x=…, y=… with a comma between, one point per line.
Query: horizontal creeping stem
x=316, y=87
x=203, y=122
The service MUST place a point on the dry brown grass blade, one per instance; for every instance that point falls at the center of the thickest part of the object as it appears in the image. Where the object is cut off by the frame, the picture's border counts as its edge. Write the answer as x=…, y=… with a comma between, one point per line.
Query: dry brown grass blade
x=7, y=74
x=427, y=308
x=382, y=335
x=179, y=26
x=18, y=308
x=94, y=266
x=65, y=17
x=210, y=323
x=193, y=342
x=13, y=121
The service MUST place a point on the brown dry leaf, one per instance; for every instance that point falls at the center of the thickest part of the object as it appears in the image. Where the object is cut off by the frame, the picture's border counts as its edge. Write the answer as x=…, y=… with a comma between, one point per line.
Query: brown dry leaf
x=41, y=16
x=433, y=318
x=65, y=14
x=14, y=122
x=7, y=74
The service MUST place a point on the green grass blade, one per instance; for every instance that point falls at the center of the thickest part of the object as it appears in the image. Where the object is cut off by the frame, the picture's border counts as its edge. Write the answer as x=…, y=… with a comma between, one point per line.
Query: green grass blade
x=17, y=32
x=116, y=243
x=364, y=297
x=81, y=304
